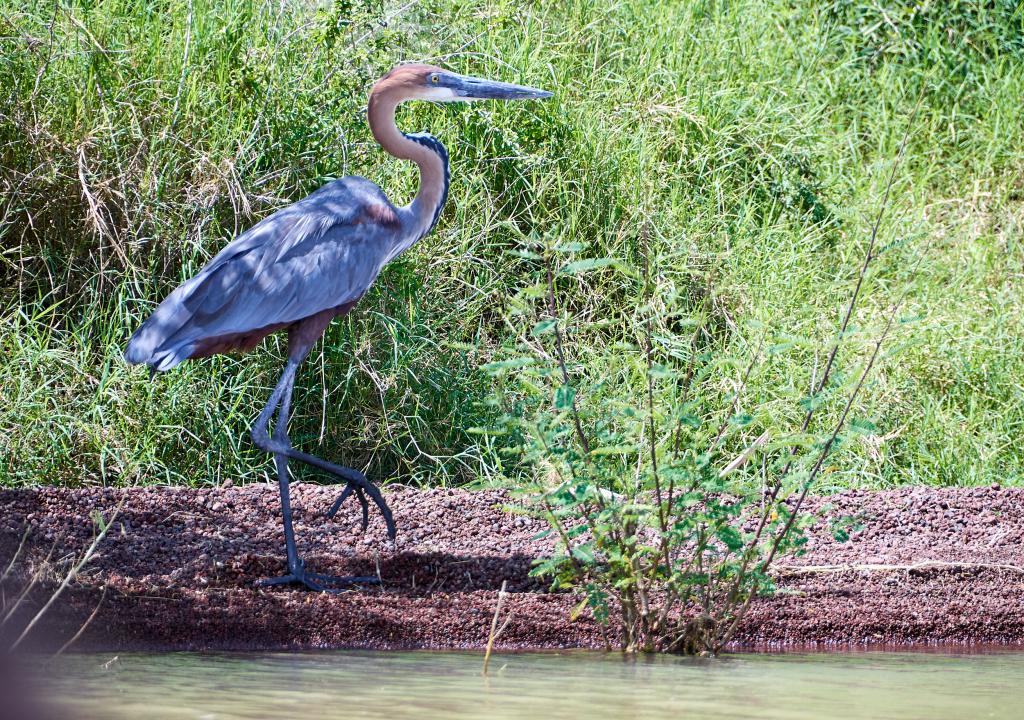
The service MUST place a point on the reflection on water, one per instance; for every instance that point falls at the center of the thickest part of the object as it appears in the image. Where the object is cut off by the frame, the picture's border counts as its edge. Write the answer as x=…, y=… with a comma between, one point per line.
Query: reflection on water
x=551, y=685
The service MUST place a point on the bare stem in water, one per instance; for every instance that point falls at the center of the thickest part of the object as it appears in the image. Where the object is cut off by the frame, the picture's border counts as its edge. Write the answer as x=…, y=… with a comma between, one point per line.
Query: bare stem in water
x=495, y=630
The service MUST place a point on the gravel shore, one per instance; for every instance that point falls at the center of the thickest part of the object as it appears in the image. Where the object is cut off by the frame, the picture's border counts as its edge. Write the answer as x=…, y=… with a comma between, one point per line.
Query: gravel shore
x=929, y=566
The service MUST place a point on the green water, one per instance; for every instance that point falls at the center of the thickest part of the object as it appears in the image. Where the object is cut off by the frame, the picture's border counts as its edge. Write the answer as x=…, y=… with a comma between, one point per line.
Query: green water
x=551, y=685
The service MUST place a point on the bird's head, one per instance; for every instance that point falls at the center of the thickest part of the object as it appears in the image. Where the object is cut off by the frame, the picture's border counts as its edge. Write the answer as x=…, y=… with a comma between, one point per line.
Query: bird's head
x=427, y=82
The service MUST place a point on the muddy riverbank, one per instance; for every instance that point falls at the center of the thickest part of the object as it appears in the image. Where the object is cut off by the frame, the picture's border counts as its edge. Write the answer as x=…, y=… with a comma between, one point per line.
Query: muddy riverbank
x=928, y=566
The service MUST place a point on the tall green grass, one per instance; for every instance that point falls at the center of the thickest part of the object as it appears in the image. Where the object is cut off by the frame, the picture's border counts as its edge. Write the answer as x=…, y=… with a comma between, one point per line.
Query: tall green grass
x=750, y=141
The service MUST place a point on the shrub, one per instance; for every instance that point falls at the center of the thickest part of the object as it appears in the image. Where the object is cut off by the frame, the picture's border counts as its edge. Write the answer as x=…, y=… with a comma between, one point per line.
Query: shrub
x=667, y=504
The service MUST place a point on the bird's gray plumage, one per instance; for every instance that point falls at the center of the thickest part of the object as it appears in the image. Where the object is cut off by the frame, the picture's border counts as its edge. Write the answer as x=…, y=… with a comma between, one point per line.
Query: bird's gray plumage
x=319, y=253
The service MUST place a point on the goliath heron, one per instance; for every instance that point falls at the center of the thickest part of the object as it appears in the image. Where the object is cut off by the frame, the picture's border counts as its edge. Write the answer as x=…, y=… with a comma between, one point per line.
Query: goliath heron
x=306, y=264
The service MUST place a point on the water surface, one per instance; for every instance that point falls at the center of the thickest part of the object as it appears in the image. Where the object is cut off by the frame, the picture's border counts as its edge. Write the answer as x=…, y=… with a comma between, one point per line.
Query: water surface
x=590, y=685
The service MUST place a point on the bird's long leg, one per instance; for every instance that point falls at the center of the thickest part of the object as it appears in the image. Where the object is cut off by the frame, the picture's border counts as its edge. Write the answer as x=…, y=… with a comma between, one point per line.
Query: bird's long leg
x=280, y=445
x=281, y=398
x=281, y=460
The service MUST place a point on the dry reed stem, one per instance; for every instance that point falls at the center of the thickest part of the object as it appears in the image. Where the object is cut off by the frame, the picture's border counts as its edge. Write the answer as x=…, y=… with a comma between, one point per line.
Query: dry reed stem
x=495, y=632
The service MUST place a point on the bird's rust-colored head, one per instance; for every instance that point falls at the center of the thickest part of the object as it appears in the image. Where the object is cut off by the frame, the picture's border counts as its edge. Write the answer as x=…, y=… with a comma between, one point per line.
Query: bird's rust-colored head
x=428, y=82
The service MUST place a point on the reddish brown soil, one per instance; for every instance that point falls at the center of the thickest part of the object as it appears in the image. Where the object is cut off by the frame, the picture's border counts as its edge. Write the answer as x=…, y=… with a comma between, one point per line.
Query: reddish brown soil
x=181, y=563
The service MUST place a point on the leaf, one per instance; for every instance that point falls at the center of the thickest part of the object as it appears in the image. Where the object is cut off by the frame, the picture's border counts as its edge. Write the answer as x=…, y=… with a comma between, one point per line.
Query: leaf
x=493, y=368
x=863, y=427
x=492, y=432
x=567, y=247
x=841, y=526
x=813, y=402
x=779, y=348
x=662, y=371
x=730, y=537
x=525, y=255
x=532, y=292
x=99, y=520
x=584, y=553
x=581, y=266
x=544, y=327
x=614, y=450
x=598, y=601
x=546, y=566
x=804, y=440
x=576, y=530
x=576, y=611
x=564, y=397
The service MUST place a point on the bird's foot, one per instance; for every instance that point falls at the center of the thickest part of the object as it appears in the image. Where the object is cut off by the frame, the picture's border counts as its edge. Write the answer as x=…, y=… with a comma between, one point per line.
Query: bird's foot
x=318, y=582
x=357, y=489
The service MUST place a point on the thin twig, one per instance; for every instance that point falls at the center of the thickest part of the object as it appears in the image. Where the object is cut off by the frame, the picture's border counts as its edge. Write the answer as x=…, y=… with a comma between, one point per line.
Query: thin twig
x=739, y=391
x=17, y=553
x=827, y=449
x=769, y=505
x=816, y=469
x=71, y=575
x=81, y=630
x=663, y=510
x=32, y=583
x=495, y=632
x=869, y=256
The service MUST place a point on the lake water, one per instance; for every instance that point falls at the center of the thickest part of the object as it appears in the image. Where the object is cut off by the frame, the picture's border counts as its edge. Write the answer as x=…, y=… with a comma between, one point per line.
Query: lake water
x=351, y=684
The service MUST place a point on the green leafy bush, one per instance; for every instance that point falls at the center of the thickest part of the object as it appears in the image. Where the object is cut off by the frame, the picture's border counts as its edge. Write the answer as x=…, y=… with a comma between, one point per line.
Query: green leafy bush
x=657, y=513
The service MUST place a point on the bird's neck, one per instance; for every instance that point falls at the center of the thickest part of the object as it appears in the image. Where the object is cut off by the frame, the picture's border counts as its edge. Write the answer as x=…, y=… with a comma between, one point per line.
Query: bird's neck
x=419, y=216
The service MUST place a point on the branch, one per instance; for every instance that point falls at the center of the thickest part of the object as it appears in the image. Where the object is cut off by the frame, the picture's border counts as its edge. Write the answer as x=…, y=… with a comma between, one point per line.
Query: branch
x=825, y=451
x=17, y=553
x=868, y=258
x=840, y=336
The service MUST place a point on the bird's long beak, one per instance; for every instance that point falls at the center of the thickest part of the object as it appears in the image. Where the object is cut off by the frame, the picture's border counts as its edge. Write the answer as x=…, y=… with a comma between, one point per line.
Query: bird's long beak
x=471, y=88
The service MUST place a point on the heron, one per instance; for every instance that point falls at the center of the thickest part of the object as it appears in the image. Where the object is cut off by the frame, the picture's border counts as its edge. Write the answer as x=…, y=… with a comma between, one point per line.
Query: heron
x=306, y=264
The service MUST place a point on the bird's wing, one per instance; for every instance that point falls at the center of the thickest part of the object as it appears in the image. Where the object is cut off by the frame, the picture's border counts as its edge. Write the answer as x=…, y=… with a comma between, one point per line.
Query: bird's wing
x=307, y=264
x=322, y=252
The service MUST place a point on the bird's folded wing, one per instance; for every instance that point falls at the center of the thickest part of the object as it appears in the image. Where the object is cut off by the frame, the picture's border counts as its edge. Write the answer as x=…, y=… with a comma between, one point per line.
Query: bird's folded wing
x=306, y=264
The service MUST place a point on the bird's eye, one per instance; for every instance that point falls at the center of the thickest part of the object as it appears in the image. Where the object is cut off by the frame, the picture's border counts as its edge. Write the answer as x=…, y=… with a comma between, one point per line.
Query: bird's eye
x=435, y=79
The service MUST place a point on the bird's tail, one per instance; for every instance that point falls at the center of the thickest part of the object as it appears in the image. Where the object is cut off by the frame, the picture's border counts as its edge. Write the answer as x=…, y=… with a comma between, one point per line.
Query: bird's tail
x=155, y=342
x=140, y=346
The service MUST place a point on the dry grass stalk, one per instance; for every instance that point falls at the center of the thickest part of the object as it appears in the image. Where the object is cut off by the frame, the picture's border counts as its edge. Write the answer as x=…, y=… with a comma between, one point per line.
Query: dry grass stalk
x=496, y=632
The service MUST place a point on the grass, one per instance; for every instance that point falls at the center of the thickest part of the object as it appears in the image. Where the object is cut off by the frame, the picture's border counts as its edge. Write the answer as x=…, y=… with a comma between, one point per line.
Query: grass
x=749, y=140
